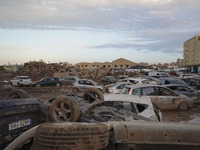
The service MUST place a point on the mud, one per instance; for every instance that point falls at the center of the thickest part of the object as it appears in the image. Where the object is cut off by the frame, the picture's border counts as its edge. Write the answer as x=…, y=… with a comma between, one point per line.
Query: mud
x=45, y=93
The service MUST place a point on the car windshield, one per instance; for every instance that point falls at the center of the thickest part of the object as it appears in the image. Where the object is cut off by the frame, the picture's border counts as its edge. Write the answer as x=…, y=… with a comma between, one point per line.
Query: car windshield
x=177, y=82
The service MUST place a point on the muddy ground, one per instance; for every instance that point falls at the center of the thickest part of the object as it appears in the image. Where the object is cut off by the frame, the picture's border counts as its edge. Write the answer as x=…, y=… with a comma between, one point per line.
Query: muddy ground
x=45, y=93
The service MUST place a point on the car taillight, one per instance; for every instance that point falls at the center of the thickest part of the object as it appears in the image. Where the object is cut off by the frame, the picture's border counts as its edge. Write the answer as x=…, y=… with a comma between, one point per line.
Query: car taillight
x=72, y=84
x=129, y=90
x=20, y=80
x=107, y=90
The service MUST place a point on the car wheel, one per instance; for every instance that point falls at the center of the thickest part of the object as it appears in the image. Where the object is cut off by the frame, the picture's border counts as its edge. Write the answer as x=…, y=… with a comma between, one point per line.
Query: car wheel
x=183, y=106
x=16, y=94
x=64, y=108
x=72, y=136
x=75, y=89
x=92, y=94
x=18, y=84
x=37, y=85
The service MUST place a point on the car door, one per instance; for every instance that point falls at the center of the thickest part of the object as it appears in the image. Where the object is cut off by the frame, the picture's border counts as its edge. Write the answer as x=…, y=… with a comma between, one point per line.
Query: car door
x=165, y=99
x=44, y=82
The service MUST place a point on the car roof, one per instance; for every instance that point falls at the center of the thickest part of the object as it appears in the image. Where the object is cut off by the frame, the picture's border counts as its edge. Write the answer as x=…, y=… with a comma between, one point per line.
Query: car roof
x=177, y=85
x=127, y=98
x=117, y=84
x=142, y=85
x=137, y=79
x=171, y=78
x=87, y=80
x=167, y=85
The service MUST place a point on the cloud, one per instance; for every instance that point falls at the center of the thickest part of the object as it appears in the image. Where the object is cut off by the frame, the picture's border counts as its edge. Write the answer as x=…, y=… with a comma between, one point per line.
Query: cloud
x=98, y=14
x=163, y=25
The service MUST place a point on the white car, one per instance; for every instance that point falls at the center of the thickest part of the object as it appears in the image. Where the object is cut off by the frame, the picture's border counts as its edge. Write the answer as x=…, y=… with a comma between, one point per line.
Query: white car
x=135, y=80
x=117, y=87
x=85, y=84
x=21, y=81
x=139, y=105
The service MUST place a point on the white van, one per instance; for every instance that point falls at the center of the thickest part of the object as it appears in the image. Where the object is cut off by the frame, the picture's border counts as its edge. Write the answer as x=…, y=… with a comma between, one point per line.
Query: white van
x=157, y=74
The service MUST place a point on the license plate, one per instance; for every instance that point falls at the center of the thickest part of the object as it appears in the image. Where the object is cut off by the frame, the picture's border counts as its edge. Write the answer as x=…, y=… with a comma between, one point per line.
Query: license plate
x=19, y=124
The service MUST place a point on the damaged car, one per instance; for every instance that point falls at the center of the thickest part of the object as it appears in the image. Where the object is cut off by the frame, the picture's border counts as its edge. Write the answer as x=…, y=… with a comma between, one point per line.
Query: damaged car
x=85, y=84
x=139, y=105
x=164, y=98
x=86, y=123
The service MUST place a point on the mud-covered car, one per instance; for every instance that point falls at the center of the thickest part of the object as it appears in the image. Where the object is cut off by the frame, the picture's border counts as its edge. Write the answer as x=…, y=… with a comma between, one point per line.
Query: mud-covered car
x=164, y=98
x=18, y=113
x=114, y=135
x=102, y=126
x=21, y=81
x=185, y=90
x=69, y=80
x=89, y=107
x=139, y=105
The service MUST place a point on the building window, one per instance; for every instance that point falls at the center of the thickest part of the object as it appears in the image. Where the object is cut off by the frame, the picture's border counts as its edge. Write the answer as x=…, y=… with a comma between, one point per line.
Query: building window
x=115, y=66
x=81, y=65
x=127, y=66
x=108, y=65
x=121, y=65
x=93, y=65
x=97, y=65
x=85, y=65
x=104, y=66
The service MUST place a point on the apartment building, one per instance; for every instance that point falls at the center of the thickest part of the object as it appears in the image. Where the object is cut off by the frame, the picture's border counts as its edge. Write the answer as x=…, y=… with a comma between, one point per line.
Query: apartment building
x=179, y=63
x=191, y=54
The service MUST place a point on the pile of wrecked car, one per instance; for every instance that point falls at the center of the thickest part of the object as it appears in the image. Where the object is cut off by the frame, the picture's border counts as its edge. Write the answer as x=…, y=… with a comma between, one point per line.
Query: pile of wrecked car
x=88, y=121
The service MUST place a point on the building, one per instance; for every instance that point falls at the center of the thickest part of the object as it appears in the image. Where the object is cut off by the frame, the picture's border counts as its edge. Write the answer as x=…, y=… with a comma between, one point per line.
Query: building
x=179, y=63
x=118, y=64
x=122, y=63
x=84, y=65
x=191, y=54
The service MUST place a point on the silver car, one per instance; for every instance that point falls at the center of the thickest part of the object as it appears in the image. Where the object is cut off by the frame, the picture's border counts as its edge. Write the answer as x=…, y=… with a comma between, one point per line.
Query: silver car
x=165, y=98
x=85, y=84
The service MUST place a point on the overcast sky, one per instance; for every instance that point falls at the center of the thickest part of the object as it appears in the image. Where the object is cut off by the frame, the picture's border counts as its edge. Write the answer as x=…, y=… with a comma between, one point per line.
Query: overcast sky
x=96, y=30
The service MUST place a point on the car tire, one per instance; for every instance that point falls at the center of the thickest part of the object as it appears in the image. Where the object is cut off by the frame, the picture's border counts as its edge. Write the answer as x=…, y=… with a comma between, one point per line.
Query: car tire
x=37, y=85
x=64, y=108
x=17, y=94
x=72, y=136
x=18, y=84
x=95, y=92
x=183, y=106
